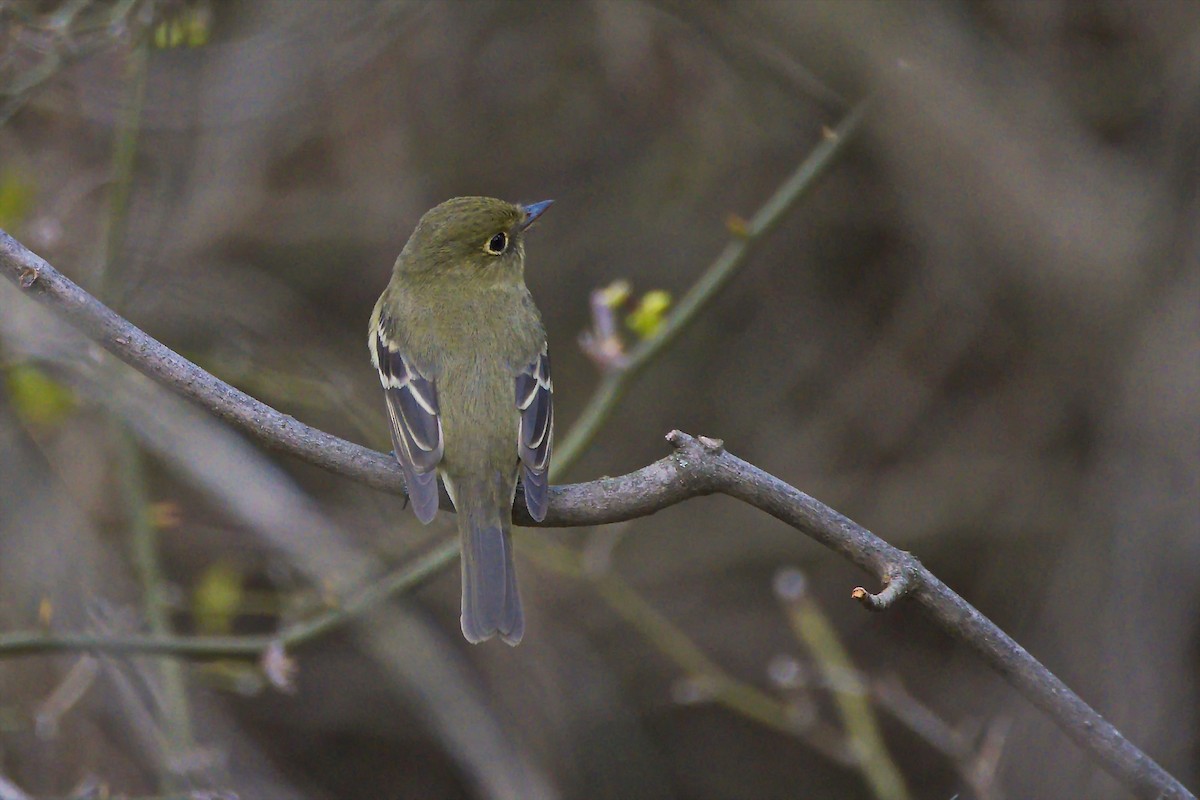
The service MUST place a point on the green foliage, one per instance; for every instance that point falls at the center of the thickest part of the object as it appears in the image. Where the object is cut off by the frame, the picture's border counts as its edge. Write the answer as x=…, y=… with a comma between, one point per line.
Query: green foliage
x=38, y=399
x=190, y=28
x=16, y=198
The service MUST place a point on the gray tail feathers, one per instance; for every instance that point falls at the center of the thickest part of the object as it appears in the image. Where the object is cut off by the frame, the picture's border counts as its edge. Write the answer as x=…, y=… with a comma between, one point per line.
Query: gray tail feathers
x=490, y=602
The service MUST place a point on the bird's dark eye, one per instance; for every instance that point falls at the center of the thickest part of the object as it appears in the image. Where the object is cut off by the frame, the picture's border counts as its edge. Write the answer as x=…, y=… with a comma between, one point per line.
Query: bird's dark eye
x=497, y=243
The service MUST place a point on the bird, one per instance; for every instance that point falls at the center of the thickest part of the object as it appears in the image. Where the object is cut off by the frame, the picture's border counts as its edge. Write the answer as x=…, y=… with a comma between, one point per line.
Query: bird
x=462, y=356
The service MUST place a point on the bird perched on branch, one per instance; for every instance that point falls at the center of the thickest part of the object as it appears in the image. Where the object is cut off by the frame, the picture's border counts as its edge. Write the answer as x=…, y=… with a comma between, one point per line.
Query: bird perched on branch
x=462, y=356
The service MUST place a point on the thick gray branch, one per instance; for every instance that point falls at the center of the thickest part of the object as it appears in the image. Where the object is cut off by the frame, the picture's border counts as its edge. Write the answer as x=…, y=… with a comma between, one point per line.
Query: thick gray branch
x=697, y=467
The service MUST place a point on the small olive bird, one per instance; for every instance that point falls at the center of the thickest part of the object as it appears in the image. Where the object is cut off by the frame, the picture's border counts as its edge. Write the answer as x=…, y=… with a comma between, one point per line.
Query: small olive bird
x=462, y=356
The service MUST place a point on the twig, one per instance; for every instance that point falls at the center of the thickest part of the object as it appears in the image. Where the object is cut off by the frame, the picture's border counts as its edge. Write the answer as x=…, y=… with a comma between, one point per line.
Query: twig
x=248, y=646
x=846, y=685
x=65, y=696
x=144, y=544
x=719, y=273
x=697, y=467
x=131, y=479
x=711, y=682
x=977, y=768
x=10, y=791
x=895, y=587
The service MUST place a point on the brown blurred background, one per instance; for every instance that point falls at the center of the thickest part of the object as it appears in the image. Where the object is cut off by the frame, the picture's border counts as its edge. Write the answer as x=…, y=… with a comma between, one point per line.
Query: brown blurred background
x=978, y=338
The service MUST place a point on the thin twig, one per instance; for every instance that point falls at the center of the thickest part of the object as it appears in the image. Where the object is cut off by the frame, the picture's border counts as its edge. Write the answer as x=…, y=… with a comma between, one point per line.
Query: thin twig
x=814, y=629
x=10, y=791
x=130, y=476
x=976, y=765
x=895, y=587
x=612, y=387
x=711, y=681
x=248, y=646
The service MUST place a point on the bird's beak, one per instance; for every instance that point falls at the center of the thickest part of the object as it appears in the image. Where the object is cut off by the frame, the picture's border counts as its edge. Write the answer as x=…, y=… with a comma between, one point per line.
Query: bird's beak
x=533, y=211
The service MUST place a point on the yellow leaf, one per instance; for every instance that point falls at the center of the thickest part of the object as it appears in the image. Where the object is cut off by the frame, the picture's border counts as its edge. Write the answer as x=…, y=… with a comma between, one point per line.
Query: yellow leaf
x=217, y=598
x=647, y=319
x=615, y=294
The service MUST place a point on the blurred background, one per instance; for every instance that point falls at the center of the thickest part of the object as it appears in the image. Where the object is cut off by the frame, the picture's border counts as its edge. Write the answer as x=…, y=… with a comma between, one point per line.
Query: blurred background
x=978, y=336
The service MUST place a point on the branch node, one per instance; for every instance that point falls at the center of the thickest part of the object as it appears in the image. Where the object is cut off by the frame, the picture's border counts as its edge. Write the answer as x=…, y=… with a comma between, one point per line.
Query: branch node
x=896, y=585
x=678, y=439
x=738, y=225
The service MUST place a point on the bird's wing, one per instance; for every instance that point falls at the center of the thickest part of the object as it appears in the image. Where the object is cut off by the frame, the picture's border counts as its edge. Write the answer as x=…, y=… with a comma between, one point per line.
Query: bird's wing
x=412, y=404
x=535, y=403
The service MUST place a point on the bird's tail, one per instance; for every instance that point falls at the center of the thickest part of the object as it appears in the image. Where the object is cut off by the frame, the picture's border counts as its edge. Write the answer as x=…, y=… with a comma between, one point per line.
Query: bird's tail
x=490, y=602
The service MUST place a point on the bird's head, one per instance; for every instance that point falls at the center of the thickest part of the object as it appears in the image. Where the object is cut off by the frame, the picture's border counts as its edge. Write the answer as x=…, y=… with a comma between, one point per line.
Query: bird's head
x=470, y=238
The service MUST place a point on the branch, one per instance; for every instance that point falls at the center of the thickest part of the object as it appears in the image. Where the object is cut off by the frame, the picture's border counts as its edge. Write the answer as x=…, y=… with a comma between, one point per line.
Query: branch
x=697, y=467
x=257, y=646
